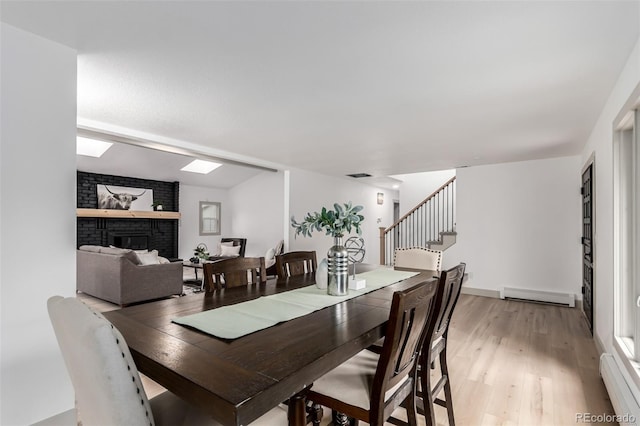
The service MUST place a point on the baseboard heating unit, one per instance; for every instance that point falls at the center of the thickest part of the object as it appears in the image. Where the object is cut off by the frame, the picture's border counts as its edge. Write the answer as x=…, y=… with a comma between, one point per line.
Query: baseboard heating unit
x=567, y=299
x=624, y=404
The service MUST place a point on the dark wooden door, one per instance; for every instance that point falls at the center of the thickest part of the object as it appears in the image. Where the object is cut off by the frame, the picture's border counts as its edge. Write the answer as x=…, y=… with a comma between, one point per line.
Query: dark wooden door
x=587, y=248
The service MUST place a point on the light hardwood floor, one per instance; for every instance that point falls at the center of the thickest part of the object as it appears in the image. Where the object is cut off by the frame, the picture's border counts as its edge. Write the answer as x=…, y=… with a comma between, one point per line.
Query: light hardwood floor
x=511, y=363
x=522, y=363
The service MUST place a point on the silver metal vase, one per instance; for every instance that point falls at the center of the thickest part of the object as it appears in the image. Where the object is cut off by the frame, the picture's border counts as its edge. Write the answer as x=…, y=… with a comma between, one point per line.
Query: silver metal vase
x=338, y=273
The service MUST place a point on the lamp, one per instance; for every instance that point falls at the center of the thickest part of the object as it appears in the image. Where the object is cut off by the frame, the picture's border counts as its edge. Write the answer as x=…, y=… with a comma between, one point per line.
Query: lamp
x=380, y=197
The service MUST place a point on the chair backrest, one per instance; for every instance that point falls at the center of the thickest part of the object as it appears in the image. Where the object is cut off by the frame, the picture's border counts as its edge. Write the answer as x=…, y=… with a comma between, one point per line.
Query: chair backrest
x=234, y=272
x=242, y=242
x=417, y=258
x=105, y=378
x=411, y=320
x=296, y=263
x=451, y=283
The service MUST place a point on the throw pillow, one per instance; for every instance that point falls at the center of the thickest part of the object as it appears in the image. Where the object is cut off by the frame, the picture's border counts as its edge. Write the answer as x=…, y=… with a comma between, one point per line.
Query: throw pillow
x=271, y=254
x=150, y=258
x=270, y=258
x=219, y=251
x=232, y=251
x=279, y=247
x=132, y=257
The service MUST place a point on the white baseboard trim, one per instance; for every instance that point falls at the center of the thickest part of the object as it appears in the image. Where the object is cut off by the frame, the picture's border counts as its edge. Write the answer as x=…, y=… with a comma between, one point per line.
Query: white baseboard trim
x=597, y=340
x=484, y=292
x=527, y=294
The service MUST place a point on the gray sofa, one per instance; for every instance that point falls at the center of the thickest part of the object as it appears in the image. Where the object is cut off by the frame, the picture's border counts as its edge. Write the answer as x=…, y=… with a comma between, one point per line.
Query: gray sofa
x=117, y=276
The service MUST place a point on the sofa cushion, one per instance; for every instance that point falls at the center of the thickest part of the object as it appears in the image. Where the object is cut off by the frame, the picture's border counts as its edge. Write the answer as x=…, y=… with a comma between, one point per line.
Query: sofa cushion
x=93, y=249
x=115, y=250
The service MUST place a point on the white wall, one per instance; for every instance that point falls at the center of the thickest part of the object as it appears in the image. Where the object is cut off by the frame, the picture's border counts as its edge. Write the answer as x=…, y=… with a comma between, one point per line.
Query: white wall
x=189, y=231
x=311, y=191
x=37, y=220
x=601, y=142
x=258, y=209
x=415, y=187
x=519, y=225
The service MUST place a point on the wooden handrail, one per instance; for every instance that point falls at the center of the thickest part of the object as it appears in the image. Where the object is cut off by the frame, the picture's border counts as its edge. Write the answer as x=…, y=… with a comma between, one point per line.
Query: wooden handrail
x=420, y=204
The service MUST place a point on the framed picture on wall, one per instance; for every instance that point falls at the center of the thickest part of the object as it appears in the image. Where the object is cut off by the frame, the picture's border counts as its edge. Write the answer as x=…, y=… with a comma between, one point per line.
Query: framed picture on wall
x=113, y=197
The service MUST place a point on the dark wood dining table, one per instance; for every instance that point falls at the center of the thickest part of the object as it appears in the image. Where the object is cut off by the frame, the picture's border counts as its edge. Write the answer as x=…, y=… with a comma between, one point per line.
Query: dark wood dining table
x=237, y=381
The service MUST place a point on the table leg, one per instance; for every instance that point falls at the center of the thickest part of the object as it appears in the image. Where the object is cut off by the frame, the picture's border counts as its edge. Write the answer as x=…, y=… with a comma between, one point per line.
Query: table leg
x=297, y=411
x=201, y=280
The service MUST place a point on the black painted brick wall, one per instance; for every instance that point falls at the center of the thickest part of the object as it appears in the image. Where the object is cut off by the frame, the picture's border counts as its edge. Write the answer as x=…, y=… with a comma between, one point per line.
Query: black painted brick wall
x=162, y=233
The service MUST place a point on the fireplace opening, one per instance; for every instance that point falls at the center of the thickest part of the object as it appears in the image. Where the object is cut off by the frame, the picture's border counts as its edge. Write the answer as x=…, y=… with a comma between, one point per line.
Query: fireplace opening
x=130, y=241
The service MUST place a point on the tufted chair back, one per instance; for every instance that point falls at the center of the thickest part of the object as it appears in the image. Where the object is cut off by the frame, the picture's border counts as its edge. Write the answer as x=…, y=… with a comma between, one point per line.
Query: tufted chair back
x=104, y=376
x=413, y=258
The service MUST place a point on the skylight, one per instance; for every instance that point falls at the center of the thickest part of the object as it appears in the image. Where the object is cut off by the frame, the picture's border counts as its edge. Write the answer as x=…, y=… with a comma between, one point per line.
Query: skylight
x=201, y=166
x=91, y=147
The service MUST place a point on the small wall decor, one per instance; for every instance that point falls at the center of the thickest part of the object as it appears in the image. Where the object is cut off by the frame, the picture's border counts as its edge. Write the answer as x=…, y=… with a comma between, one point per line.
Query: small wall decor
x=124, y=198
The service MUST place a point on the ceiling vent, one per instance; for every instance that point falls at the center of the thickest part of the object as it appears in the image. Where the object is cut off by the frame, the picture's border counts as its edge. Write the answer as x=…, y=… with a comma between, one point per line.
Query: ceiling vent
x=359, y=175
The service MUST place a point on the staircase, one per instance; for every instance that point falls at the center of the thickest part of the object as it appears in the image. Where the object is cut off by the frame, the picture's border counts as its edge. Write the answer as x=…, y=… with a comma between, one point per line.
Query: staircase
x=430, y=224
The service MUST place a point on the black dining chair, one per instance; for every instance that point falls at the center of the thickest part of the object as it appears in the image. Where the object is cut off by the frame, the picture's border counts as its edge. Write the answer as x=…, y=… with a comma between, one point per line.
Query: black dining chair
x=451, y=283
x=296, y=263
x=234, y=272
x=369, y=387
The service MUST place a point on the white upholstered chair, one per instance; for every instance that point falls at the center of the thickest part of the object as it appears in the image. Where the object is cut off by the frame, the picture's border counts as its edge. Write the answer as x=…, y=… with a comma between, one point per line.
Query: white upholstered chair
x=417, y=258
x=105, y=379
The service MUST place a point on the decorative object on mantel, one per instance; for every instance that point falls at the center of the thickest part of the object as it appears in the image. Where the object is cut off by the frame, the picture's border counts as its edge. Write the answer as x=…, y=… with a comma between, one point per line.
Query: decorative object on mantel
x=335, y=223
x=356, y=250
x=124, y=198
x=157, y=206
x=200, y=252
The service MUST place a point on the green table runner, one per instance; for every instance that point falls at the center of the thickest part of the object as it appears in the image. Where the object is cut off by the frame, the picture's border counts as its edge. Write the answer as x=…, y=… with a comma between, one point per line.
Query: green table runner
x=231, y=322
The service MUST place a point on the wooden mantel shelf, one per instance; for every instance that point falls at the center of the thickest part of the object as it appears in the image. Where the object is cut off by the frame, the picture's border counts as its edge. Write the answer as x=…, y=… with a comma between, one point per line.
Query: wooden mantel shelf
x=127, y=214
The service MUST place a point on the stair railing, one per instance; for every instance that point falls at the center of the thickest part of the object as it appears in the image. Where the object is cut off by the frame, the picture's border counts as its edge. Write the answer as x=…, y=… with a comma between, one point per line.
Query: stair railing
x=423, y=225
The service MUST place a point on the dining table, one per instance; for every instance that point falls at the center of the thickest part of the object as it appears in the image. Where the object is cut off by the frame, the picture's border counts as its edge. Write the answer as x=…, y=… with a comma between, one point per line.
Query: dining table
x=238, y=380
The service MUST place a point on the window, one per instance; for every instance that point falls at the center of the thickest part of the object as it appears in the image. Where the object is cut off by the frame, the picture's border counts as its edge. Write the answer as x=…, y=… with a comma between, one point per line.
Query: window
x=209, y=218
x=626, y=244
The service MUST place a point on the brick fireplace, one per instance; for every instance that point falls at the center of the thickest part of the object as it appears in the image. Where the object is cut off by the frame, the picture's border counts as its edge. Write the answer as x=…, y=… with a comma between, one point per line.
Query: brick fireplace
x=159, y=234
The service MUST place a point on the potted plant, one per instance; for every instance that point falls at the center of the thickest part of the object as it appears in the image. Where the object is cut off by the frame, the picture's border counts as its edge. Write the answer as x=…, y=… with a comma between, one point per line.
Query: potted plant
x=157, y=206
x=201, y=252
x=336, y=223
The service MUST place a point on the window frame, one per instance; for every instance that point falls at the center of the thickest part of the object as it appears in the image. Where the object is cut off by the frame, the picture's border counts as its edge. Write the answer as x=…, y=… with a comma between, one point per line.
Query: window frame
x=205, y=229
x=626, y=235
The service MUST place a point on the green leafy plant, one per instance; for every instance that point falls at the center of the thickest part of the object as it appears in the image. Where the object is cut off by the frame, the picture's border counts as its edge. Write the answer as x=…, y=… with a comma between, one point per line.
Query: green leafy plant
x=201, y=251
x=342, y=220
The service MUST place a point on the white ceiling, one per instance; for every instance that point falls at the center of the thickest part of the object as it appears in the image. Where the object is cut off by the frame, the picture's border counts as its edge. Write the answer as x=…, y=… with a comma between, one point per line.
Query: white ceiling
x=342, y=87
x=128, y=160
